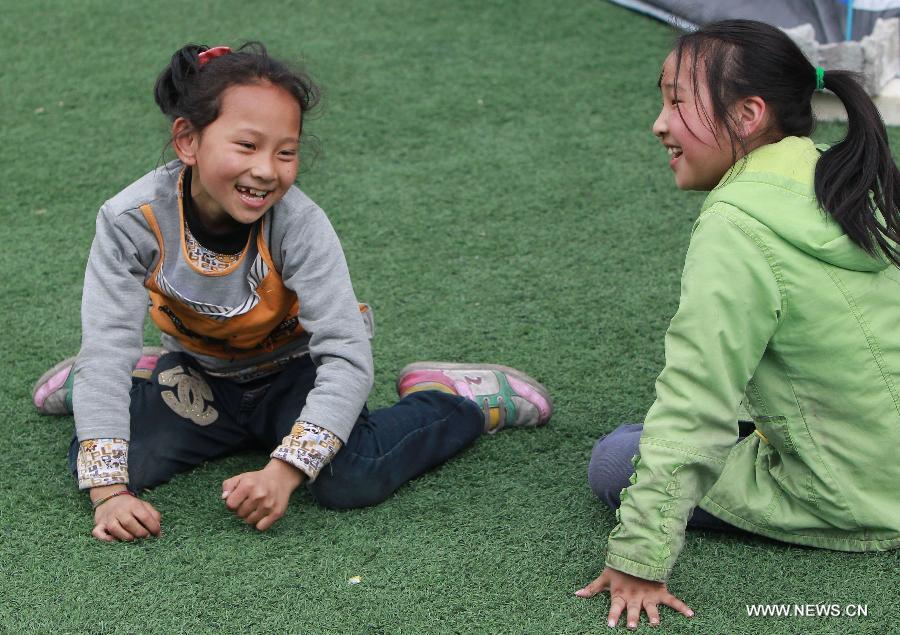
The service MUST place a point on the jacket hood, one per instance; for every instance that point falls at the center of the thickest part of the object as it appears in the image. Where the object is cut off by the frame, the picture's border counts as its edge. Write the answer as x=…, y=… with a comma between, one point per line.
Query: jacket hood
x=775, y=185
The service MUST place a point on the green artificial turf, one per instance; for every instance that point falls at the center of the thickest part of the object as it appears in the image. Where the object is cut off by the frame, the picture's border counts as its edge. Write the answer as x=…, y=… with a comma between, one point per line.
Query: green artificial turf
x=489, y=167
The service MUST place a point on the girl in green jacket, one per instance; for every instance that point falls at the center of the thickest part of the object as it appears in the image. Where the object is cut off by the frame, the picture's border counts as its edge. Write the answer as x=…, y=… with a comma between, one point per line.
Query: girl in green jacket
x=789, y=307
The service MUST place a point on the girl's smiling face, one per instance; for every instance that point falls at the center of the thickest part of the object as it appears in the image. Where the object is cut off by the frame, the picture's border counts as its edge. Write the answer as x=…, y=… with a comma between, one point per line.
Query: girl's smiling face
x=700, y=157
x=246, y=160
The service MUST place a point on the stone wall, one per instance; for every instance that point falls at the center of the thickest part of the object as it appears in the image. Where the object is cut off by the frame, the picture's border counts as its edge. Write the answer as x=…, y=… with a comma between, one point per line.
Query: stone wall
x=876, y=57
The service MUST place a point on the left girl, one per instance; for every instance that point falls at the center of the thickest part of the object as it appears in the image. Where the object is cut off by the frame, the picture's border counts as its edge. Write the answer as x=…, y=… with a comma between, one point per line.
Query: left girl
x=267, y=343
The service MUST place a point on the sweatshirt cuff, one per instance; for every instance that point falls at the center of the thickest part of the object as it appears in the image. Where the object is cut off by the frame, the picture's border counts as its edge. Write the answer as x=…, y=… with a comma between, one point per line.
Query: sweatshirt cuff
x=102, y=462
x=308, y=448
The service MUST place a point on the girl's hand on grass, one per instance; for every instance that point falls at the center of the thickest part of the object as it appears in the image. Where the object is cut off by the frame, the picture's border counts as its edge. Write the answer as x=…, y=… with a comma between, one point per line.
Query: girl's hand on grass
x=123, y=517
x=633, y=594
x=261, y=497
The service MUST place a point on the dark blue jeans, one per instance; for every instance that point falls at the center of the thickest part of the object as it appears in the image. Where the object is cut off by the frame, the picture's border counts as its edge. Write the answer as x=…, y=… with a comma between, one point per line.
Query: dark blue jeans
x=178, y=424
x=610, y=468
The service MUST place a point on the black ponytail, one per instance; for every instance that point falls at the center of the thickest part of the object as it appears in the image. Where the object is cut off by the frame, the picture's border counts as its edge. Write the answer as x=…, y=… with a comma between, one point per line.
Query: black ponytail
x=856, y=181
x=857, y=178
x=186, y=88
x=174, y=81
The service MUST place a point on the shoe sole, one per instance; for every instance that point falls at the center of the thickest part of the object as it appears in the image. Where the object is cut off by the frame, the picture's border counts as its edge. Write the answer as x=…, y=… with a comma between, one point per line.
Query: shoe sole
x=46, y=377
x=538, y=386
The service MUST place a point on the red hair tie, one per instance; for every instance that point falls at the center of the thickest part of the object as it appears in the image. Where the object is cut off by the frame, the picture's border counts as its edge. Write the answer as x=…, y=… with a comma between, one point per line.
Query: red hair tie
x=213, y=53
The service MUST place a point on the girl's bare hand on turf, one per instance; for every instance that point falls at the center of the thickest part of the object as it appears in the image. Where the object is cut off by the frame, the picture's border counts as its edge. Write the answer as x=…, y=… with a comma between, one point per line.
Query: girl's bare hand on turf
x=262, y=497
x=635, y=595
x=123, y=517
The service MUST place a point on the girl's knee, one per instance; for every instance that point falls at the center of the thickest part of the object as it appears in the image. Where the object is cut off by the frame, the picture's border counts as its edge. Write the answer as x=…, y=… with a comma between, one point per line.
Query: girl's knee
x=610, y=466
x=146, y=470
x=334, y=490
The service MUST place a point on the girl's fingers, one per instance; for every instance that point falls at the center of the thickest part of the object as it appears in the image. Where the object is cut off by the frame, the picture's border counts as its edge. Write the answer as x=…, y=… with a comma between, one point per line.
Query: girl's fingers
x=267, y=522
x=585, y=592
x=615, y=610
x=255, y=516
x=148, y=520
x=236, y=498
x=595, y=587
x=99, y=532
x=247, y=507
x=652, y=612
x=140, y=520
x=118, y=532
x=634, y=613
x=133, y=526
x=673, y=602
x=229, y=485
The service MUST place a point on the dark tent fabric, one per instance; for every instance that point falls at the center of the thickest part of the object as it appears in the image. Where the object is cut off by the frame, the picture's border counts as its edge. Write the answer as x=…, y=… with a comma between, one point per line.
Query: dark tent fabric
x=828, y=17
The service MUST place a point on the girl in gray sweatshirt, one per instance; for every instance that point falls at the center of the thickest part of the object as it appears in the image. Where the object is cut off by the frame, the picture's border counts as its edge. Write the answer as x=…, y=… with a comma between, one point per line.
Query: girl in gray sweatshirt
x=264, y=341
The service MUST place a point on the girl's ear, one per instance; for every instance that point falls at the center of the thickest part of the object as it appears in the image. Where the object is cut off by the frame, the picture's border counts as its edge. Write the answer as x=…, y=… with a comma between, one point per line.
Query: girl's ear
x=185, y=140
x=752, y=117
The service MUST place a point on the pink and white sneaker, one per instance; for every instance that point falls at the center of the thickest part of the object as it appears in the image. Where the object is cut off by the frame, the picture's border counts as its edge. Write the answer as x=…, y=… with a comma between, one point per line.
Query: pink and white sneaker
x=52, y=394
x=508, y=397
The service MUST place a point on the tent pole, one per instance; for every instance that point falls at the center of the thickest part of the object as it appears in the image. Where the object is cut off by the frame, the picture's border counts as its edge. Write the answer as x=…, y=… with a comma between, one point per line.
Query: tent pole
x=849, y=35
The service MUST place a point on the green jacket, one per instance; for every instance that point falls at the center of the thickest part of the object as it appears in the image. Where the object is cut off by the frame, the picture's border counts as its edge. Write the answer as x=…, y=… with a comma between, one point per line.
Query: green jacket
x=780, y=310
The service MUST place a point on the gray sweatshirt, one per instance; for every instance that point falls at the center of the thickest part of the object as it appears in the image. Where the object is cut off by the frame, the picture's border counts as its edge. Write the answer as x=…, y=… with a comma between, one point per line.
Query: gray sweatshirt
x=305, y=252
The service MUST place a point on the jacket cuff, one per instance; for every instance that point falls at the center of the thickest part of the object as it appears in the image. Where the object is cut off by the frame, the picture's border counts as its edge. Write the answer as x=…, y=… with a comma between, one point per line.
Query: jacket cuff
x=102, y=462
x=308, y=448
x=645, y=571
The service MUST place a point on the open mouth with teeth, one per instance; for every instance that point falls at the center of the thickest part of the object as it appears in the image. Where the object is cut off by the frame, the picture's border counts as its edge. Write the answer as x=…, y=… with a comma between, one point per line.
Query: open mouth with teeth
x=251, y=193
x=673, y=151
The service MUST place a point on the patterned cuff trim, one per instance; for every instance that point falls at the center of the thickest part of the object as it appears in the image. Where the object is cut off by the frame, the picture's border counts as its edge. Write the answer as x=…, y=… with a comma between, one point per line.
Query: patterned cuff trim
x=309, y=448
x=102, y=462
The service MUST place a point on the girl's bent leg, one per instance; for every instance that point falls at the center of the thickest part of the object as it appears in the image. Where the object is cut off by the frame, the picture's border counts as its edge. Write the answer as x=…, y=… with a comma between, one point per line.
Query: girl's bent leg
x=393, y=445
x=180, y=417
x=610, y=469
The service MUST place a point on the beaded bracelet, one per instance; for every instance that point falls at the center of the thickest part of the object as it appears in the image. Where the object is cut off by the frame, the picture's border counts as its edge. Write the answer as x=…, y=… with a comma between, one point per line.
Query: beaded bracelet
x=124, y=492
